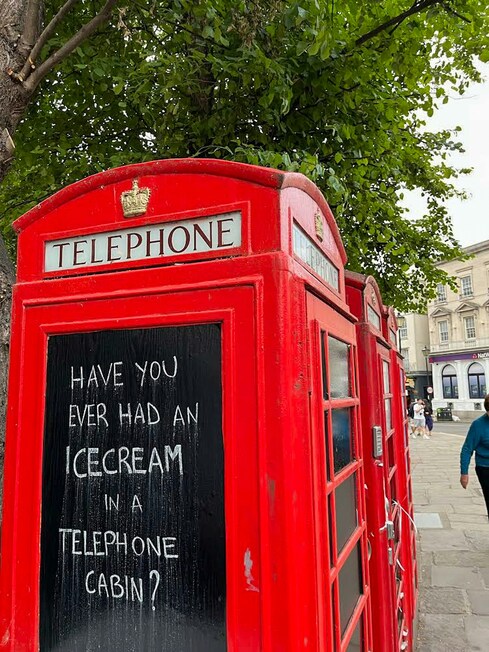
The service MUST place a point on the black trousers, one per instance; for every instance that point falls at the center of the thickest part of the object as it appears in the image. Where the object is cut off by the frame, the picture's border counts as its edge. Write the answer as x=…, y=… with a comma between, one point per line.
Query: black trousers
x=483, y=475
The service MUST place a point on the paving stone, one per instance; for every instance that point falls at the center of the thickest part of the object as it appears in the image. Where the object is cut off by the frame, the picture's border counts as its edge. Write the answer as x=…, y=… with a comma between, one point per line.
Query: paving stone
x=477, y=628
x=461, y=558
x=469, y=519
x=454, y=576
x=441, y=633
x=433, y=540
x=479, y=602
x=443, y=508
x=443, y=600
x=485, y=576
x=428, y=520
x=467, y=509
x=457, y=525
x=478, y=540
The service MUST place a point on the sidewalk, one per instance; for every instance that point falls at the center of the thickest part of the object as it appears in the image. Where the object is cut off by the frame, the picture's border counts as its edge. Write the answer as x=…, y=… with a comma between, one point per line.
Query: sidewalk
x=453, y=549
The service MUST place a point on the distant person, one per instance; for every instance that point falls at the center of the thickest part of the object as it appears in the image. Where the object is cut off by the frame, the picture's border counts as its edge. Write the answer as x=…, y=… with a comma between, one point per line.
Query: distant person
x=419, y=420
x=428, y=416
x=477, y=440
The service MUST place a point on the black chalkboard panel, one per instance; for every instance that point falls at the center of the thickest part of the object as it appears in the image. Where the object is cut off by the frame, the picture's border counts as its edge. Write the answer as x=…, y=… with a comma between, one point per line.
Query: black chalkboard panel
x=132, y=532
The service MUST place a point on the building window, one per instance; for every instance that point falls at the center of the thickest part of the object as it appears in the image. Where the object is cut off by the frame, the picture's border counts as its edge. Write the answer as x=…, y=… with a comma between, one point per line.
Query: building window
x=405, y=362
x=477, y=381
x=449, y=382
x=401, y=322
x=466, y=286
x=441, y=292
x=469, y=324
x=443, y=331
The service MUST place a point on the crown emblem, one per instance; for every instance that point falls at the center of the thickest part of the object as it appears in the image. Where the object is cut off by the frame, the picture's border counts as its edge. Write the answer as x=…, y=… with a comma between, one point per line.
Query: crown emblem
x=318, y=221
x=135, y=201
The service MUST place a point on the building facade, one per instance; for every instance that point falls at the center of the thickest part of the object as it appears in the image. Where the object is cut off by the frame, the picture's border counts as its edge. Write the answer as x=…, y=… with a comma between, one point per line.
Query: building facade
x=414, y=338
x=459, y=335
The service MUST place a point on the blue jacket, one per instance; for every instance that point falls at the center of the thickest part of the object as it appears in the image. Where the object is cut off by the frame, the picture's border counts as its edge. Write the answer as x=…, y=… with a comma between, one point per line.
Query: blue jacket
x=477, y=440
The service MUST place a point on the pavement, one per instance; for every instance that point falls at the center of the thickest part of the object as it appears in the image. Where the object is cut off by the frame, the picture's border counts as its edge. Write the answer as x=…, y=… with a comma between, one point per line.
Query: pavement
x=453, y=546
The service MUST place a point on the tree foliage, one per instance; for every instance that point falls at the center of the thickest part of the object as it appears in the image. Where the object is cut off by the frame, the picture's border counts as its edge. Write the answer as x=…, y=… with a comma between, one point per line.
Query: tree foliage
x=338, y=91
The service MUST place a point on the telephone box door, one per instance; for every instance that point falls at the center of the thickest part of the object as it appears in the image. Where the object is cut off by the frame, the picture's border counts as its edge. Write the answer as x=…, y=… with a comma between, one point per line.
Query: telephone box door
x=130, y=534
x=393, y=478
x=343, y=586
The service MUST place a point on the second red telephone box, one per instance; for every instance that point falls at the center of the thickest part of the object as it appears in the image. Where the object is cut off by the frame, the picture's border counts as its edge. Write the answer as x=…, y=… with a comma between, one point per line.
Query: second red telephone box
x=386, y=456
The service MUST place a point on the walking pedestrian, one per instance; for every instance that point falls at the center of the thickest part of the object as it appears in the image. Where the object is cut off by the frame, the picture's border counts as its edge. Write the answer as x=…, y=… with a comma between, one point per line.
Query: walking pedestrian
x=477, y=440
x=428, y=416
x=419, y=420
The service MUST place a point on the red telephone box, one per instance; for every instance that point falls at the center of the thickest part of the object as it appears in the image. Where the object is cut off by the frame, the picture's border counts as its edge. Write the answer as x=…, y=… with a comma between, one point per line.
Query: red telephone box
x=408, y=555
x=184, y=463
x=389, y=513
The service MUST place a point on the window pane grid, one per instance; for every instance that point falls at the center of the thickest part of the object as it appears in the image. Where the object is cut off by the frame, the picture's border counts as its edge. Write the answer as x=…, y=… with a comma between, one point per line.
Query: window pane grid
x=443, y=330
x=449, y=382
x=469, y=328
x=477, y=381
x=441, y=292
x=466, y=286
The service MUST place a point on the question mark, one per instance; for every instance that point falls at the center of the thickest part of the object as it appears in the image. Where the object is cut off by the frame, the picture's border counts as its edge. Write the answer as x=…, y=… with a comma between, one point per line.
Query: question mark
x=157, y=575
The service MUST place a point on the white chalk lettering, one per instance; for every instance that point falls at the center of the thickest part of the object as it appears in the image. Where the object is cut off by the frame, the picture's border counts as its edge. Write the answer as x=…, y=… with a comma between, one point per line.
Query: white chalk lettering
x=92, y=414
x=93, y=462
x=191, y=416
x=118, y=586
x=156, y=369
x=99, y=543
x=97, y=377
x=136, y=503
x=141, y=415
x=110, y=503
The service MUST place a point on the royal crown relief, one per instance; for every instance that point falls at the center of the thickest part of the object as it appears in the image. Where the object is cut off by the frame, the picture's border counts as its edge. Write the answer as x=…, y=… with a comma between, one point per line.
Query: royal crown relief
x=135, y=201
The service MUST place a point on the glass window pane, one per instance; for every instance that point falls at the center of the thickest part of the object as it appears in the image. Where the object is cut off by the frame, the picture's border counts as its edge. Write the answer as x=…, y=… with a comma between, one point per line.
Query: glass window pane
x=335, y=623
x=339, y=368
x=346, y=510
x=356, y=641
x=388, y=414
x=324, y=367
x=373, y=317
x=332, y=558
x=350, y=582
x=390, y=446
x=327, y=445
x=385, y=371
x=342, y=438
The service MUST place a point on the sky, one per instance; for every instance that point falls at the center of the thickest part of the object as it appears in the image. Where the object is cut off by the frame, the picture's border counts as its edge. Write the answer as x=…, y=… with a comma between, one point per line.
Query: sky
x=470, y=218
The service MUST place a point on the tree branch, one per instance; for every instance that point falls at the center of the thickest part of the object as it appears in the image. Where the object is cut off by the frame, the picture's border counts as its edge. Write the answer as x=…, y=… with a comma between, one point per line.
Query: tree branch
x=416, y=8
x=31, y=26
x=447, y=7
x=30, y=63
x=60, y=55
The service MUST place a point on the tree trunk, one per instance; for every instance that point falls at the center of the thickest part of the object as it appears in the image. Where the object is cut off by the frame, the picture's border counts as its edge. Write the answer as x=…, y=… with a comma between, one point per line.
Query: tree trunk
x=13, y=102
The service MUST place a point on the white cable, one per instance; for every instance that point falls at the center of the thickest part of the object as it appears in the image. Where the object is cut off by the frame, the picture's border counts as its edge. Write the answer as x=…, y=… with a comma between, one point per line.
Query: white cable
x=407, y=514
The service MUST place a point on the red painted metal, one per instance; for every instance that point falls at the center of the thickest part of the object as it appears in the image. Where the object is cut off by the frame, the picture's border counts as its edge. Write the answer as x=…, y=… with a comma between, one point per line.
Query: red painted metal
x=387, y=478
x=277, y=312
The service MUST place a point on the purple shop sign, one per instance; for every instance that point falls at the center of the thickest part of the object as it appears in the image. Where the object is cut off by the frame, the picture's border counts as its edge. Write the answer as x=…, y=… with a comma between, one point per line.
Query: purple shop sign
x=474, y=355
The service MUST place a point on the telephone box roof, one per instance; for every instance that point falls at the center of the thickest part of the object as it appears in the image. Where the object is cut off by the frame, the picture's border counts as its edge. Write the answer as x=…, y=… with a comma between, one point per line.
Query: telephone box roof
x=268, y=177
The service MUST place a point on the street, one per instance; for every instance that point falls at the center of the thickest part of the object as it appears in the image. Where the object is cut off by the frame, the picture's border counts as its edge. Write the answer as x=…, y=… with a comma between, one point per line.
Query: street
x=451, y=427
x=452, y=546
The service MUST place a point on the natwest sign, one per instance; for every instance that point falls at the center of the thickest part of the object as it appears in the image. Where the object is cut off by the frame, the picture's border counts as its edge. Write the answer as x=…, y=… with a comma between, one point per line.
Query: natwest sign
x=168, y=239
x=468, y=355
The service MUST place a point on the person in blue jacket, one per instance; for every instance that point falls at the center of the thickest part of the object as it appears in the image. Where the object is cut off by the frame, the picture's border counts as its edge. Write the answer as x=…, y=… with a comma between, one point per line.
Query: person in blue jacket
x=477, y=440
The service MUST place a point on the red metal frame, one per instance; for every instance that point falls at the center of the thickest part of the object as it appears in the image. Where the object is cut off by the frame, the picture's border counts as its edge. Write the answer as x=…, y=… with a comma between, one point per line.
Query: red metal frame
x=386, y=477
x=324, y=322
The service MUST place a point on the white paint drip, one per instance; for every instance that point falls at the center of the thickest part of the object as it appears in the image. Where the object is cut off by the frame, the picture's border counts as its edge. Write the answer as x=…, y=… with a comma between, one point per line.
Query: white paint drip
x=248, y=565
